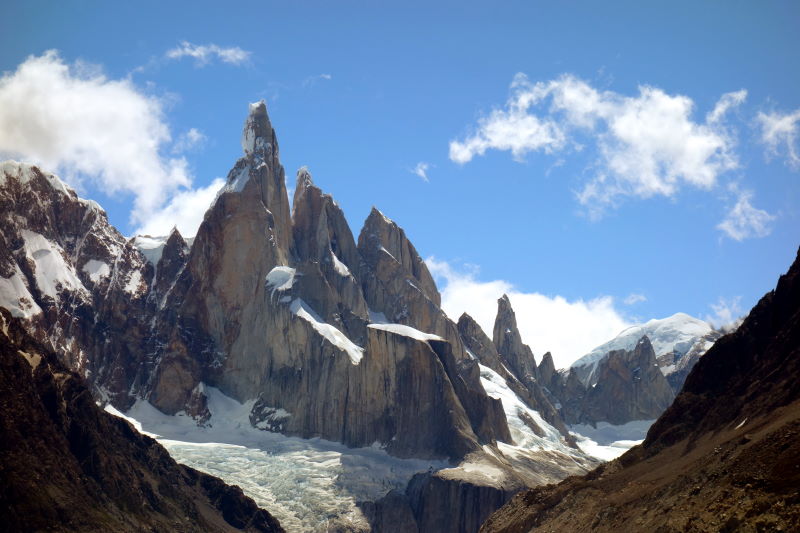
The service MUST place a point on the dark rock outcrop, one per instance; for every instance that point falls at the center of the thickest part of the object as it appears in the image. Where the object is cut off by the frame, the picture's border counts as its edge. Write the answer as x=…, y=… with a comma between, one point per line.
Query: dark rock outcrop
x=68, y=466
x=722, y=457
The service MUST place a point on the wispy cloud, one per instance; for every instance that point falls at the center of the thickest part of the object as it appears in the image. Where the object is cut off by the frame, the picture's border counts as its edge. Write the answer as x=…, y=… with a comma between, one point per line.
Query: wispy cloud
x=727, y=313
x=203, y=54
x=744, y=221
x=644, y=145
x=73, y=120
x=421, y=170
x=546, y=323
x=312, y=80
x=634, y=298
x=779, y=133
x=189, y=140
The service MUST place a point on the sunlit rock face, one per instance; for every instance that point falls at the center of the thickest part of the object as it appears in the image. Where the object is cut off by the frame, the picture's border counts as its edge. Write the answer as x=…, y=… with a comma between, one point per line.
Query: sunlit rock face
x=283, y=311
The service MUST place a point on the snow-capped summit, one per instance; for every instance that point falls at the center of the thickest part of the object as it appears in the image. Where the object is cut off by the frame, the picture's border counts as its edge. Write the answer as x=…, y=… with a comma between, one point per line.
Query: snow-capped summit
x=672, y=338
x=257, y=131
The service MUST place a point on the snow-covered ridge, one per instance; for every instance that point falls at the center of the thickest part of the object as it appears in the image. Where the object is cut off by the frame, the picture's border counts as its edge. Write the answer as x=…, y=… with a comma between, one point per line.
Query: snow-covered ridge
x=330, y=333
x=24, y=173
x=406, y=331
x=677, y=333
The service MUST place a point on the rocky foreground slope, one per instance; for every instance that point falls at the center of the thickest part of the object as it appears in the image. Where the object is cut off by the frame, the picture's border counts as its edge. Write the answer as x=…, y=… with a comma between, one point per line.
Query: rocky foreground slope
x=65, y=465
x=725, y=456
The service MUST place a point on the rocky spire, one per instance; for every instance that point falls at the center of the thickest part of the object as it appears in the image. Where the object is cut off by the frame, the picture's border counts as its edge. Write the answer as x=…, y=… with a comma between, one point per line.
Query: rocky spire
x=381, y=235
x=517, y=355
x=547, y=368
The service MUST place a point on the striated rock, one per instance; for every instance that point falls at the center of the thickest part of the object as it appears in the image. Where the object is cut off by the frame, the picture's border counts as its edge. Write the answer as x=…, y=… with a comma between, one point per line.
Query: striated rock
x=68, y=466
x=629, y=386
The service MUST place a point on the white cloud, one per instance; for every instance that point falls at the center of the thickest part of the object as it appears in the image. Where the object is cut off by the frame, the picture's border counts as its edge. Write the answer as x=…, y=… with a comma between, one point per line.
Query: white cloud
x=567, y=329
x=312, y=80
x=203, y=54
x=185, y=210
x=89, y=129
x=421, y=170
x=645, y=145
x=779, y=133
x=634, y=298
x=727, y=313
x=190, y=140
x=744, y=221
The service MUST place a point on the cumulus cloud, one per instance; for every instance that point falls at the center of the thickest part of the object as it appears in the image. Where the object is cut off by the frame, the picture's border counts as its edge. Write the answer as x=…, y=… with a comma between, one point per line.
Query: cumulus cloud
x=203, y=54
x=421, y=170
x=567, y=329
x=644, y=145
x=779, y=134
x=74, y=121
x=185, y=210
x=727, y=313
x=744, y=221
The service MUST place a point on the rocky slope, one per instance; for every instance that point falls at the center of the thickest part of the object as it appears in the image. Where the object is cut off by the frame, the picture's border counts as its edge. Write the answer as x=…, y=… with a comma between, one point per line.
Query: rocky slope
x=68, y=466
x=723, y=457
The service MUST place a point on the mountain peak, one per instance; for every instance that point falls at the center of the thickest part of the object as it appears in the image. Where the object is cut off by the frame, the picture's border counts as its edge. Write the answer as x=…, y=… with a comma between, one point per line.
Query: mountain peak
x=257, y=132
x=304, y=180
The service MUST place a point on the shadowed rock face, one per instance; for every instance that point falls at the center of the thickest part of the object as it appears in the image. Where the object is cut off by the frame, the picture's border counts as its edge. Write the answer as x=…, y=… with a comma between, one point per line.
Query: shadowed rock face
x=629, y=386
x=68, y=466
x=722, y=457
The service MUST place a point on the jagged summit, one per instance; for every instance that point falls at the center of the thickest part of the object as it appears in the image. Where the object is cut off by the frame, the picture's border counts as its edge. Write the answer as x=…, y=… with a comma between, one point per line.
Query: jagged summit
x=258, y=134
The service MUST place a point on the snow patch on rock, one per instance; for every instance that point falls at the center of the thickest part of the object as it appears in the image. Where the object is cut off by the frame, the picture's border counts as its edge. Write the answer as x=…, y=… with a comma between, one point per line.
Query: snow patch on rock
x=330, y=333
x=15, y=296
x=280, y=278
x=406, y=331
x=151, y=247
x=96, y=270
x=52, y=272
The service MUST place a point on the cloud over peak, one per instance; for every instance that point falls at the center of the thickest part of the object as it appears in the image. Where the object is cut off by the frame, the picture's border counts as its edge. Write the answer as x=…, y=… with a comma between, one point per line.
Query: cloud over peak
x=73, y=120
x=203, y=54
x=546, y=323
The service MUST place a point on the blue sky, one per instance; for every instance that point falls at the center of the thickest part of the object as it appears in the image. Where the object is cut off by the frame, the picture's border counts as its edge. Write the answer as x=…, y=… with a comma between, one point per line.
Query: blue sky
x=617, y=190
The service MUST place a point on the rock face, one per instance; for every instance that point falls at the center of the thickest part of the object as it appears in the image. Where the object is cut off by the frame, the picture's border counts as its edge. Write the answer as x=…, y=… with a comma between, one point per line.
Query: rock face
x=525, y=386
x=628, y=386
x=326, y=336
x=678, y=342
x=722, y=457
x=68, y=466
